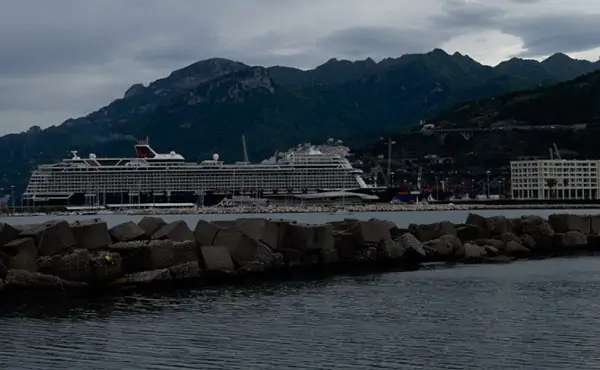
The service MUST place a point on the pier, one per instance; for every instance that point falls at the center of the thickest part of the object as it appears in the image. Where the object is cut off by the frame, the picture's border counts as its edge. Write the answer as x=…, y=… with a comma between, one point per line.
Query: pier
x=88, y=257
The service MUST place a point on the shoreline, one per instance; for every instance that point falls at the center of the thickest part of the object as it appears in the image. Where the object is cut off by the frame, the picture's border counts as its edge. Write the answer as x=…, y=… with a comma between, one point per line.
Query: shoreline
x=86, y=257
x=347, y=210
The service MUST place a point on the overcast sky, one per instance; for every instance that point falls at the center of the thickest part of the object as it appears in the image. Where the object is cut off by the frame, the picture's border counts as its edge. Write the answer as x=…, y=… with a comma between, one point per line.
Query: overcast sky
x=66, y=58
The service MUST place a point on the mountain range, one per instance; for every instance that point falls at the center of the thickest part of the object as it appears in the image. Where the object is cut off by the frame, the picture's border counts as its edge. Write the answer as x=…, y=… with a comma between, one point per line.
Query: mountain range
x=206, y=107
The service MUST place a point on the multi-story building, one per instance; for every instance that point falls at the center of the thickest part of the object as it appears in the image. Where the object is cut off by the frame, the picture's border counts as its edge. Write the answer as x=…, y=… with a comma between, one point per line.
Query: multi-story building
x=555, y=179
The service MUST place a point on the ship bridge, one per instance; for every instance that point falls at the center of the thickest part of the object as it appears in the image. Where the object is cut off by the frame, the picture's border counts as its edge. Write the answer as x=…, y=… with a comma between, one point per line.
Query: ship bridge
x=145, y=151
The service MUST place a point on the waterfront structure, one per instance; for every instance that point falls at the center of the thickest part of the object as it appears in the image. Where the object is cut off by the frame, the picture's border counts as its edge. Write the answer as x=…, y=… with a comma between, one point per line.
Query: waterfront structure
x=555, y=179
x=153, y=178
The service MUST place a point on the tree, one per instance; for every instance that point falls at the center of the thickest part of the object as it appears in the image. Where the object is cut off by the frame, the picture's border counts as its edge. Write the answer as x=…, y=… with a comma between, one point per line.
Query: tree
x=551, y=184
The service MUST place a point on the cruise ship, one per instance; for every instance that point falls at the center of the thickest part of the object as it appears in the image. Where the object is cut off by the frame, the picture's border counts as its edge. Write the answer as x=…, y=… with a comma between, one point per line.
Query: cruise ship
x=152, y=177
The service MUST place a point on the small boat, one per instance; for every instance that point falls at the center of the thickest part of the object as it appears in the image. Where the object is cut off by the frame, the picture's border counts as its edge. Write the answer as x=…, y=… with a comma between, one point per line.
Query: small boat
x=87, y=213
x=340, y=211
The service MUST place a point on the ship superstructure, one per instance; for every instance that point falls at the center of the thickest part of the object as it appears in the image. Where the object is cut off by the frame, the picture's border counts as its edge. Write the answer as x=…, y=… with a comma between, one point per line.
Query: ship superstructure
x=168, y=178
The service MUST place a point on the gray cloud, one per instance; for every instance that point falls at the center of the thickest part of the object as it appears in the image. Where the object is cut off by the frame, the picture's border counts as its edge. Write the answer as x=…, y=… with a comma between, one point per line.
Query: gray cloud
x=65, y=58
x=549, y=34
x=379, y=42
x=469, y=14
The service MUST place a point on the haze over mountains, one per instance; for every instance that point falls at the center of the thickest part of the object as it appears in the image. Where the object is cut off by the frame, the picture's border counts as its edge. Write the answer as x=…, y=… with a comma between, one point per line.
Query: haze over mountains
x=206, y=107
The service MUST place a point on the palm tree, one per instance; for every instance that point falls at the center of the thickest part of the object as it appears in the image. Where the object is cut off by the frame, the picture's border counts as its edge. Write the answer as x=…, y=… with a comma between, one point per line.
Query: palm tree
x=551, y=184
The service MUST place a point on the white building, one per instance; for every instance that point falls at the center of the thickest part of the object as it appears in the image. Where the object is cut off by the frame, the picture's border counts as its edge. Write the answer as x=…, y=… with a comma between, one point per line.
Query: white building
x=555, y=179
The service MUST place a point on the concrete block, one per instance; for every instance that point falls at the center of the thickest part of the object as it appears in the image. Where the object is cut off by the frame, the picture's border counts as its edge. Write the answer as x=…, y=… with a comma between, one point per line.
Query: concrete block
x=21, y=254
x=151, y=225
x=91, y=234
x=127, y=231
x=216, y=258
x=7, y=233
x=205, y=232
x=176, y=231
x=51, y=237
x=561, y=223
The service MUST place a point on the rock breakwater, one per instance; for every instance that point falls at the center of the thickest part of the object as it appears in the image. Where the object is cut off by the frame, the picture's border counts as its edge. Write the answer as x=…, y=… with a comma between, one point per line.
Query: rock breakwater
x=87, y=256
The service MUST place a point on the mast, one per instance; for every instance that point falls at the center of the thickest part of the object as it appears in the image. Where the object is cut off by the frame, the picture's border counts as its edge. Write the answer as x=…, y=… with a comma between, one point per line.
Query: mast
x=245, y=149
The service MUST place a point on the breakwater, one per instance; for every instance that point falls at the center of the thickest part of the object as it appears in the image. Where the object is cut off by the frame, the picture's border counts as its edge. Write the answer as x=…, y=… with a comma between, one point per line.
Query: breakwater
x=360, y=208
x=86, y=256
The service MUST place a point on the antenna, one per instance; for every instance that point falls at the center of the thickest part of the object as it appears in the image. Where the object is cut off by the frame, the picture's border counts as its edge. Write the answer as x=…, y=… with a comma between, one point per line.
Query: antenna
x=389, y=163
x=245, y=149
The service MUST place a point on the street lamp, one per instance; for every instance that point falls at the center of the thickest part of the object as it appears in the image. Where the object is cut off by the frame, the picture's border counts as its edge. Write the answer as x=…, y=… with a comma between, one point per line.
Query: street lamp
x=488, y=183
x=389, y=164
x=12, y=197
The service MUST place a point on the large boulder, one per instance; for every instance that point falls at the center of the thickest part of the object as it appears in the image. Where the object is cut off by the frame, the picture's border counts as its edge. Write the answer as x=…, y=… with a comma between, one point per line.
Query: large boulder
x=391, y=250
x=126, y=232
x=91, y=234
x=106, y=266
x=283, y=227
x=498, y=244
x=345, y=244
x=594, y=242
x=498, y=225
x=184, y=271
x=144, y=256
x=176, y=230
x=216, y=258
x=472, y=253
x=242, y=248
x=413, y=247
x=263, y=260
x=570, y=240
x=490, y=226
x=445, y=246
x=19, y=280
x=371, y=232
x=205, y=232
x=343, y=225
x=528, y=241
x=477, y=220
x=595, y=224
x=151, y=224
x=324, y=238
x=514, y=249
x=20, y=254
x=145, y=277
x=470, y=232
x=7, y=234
x=300, y=237
x=3, y=269
x=184, y=251
x=260, y=229
x=508, y=236
x=561, y=223
x=327, y=256
x=433, y=231
x=366, y=253
x=51, y=237
x=75, y=266
x=541, y=232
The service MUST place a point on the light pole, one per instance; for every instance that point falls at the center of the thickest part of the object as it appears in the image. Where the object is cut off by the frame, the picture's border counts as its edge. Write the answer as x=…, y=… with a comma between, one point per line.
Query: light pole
x=389, y=164
x=488, y=183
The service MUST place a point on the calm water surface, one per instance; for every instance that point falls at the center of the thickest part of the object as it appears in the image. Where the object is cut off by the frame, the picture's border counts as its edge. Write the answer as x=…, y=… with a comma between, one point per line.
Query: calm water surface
x=525, y=315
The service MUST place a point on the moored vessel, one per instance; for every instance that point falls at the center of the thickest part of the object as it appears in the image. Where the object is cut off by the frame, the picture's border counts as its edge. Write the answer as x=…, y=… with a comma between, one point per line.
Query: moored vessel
x=155, y=178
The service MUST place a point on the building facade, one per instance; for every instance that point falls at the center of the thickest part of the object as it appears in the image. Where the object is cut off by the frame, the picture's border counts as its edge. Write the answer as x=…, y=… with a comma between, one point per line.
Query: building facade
x=555, y=179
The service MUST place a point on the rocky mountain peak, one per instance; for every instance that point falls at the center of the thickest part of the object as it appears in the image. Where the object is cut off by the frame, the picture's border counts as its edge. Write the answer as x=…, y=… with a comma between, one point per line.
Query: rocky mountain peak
x=135, y=89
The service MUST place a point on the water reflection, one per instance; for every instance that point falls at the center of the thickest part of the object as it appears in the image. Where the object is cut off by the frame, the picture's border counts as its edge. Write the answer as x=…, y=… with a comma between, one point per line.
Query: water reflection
x=528, y=315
